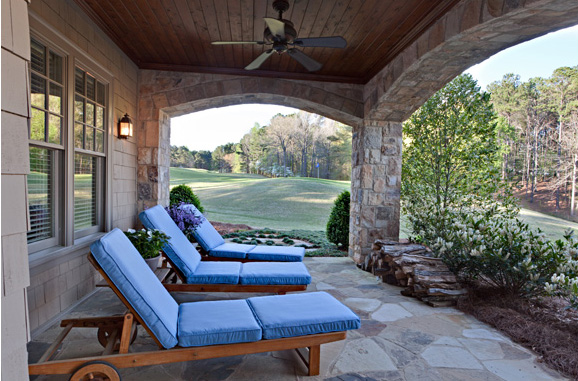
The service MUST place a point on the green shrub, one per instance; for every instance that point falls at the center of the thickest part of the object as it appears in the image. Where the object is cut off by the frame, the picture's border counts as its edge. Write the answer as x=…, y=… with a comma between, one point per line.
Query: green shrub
x=184, y=193
x=338, y=224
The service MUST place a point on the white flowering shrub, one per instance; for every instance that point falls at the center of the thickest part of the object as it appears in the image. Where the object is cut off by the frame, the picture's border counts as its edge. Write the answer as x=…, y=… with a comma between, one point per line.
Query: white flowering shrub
x=490, y=245
x=564, y=282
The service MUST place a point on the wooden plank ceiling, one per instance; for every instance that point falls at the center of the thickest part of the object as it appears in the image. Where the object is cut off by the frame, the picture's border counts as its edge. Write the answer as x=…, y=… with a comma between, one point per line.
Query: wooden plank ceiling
x=177, y=34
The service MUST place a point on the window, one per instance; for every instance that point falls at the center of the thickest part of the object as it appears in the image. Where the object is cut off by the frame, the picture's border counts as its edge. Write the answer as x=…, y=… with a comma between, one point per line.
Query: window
x=89, y=131
x=65, y=173
x=46, y=148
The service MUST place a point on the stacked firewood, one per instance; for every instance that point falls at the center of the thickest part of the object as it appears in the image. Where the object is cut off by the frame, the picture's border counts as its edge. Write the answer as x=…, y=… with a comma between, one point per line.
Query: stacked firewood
x=414, y=267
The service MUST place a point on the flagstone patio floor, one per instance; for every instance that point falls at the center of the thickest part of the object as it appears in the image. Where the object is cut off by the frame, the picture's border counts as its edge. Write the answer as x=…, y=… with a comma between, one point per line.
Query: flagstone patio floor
x=400, y=339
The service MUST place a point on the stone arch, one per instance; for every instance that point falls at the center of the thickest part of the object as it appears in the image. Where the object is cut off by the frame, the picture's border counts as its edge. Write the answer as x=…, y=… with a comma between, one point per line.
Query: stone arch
x=163, y=95
x=469, y=33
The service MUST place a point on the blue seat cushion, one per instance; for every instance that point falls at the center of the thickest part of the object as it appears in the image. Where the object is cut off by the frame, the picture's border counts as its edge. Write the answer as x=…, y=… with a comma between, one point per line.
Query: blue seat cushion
x=277, y=253
x=179, y=250
x=205, y=234
x=216, y=273
x=302, y=314
x=231, y=250
x=134, y=279
x=217, y=322
x=274, y=273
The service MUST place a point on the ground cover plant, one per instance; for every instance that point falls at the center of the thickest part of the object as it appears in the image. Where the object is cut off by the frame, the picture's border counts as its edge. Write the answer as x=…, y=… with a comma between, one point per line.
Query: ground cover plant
x=318, y=245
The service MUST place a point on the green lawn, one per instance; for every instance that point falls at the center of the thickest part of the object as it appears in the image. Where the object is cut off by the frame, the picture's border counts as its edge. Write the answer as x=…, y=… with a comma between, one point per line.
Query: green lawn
x=294, y=203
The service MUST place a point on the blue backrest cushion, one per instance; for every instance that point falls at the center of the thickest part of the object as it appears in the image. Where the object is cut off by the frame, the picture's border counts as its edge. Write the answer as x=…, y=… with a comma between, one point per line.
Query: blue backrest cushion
x=138, y=284
x=180, y=251
x=205, y=234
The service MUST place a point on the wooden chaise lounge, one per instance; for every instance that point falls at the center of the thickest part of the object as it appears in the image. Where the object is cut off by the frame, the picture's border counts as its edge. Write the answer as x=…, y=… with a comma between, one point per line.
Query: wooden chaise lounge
x=194, y=274
x=193, y=331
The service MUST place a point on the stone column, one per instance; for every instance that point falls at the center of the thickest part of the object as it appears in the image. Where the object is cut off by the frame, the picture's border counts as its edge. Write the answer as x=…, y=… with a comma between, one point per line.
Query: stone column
x=153, y=130
x=375, y=186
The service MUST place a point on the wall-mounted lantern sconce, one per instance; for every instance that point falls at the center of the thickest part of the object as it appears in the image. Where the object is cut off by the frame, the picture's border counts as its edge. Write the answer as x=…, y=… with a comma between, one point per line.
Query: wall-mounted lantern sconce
x=125, y=127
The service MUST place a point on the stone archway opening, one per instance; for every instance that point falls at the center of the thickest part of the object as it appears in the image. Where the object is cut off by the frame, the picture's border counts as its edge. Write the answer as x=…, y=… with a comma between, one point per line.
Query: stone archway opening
x=467, y=34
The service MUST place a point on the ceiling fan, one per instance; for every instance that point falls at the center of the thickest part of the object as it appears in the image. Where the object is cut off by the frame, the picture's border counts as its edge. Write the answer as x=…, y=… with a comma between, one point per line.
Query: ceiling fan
x=282, y=36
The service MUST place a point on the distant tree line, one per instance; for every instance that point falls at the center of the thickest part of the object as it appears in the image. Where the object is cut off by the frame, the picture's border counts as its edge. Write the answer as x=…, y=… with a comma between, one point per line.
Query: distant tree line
x=301, y=144
x=538, y=127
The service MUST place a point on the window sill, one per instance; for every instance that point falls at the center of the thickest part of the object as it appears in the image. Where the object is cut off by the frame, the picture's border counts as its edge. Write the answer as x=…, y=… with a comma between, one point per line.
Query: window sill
x=56, y=255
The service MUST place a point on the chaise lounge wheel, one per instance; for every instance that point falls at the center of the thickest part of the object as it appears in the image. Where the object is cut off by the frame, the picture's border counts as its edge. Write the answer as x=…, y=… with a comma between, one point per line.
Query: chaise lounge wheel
x=103, y=335
x=96, y=370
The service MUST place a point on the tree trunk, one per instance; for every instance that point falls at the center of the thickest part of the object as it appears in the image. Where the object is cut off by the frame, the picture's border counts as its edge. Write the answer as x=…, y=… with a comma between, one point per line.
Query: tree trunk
x=558, y=165
x=535, y=169
x=573, y=196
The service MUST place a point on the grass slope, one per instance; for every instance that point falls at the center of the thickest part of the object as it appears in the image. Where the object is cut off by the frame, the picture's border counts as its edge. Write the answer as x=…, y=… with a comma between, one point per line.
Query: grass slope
x=278, y=203
x=295, y=203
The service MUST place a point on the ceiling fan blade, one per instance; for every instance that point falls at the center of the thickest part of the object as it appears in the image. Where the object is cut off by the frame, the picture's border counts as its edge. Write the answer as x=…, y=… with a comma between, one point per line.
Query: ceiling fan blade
x=277, y=27
x=237, y=42
x=259, y=60
x=308, y=62
x=322, y=42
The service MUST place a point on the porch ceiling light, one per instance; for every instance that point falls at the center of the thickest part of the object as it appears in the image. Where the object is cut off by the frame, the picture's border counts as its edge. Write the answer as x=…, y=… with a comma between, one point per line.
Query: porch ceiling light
x=125, y=127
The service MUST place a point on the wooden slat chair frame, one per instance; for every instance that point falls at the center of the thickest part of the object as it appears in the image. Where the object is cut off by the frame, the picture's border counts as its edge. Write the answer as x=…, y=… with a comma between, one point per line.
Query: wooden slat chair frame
x=122, y=330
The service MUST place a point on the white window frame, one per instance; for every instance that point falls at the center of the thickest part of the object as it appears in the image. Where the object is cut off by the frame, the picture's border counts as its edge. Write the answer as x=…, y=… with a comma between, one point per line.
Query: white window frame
x=68, y=241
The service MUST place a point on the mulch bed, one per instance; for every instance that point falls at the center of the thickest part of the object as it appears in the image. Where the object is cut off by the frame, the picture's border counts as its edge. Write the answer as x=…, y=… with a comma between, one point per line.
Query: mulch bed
x=545, y=325
x=224, y=228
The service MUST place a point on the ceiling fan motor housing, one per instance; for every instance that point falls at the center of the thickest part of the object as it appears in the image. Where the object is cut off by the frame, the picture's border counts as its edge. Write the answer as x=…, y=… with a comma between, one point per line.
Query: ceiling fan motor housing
x=290, y=34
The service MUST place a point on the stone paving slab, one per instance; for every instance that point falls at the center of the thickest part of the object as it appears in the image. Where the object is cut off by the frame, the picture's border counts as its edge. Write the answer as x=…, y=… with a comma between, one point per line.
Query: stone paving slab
x=400, y=339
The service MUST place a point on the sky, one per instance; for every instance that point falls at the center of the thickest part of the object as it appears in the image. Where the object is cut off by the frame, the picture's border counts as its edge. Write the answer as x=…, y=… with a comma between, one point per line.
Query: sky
x=206, y=130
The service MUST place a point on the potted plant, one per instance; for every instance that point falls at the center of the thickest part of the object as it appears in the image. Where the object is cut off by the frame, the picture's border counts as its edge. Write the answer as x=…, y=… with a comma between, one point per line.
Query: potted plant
x=185, y=218
x=149, y=243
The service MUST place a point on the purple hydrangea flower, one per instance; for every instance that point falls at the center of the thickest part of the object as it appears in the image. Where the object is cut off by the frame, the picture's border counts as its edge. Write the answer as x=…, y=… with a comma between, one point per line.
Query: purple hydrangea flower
x=185, y=218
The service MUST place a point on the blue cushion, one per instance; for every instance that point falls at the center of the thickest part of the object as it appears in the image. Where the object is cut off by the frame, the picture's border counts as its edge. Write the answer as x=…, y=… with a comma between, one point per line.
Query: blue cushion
x=180, y=251
x=205, y=233
x=131, y=275
x=231, y=250
x=216, y=273
x=217, y=322
x=277, y=253
x=302, y=314
x=274, y=273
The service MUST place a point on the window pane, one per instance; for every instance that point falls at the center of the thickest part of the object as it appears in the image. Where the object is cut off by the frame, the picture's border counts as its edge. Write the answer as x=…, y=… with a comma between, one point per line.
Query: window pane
x=79, y=109
x=90, y=87
x=38, y=57
x=78, y=135
x=55, y=67
x=99, y=141
x=55, y=99
x=79, y=81
x=37, y=130
x=89, y=138
x=38, y=95
x=100, y=95
x=84, y=191
x=90, y=113
x=54, y=128
x=99, y=117
x=40, y=190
